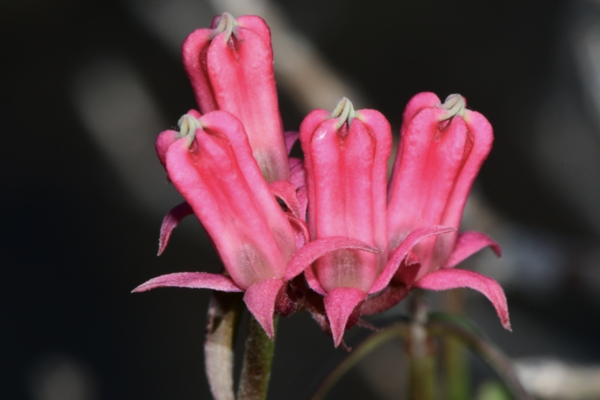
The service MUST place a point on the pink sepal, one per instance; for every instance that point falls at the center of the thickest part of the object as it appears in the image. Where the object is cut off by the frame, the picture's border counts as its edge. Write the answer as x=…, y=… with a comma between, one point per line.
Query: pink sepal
x=408, y=270
x=170, y=222
x=320, y=247
x=290, y=139
x=445, y=279
x=469, y=243
x=398, y=288
x=297, y=172
x=388, y=298
x=340, y=304
x=300, y=229
x=313, y=281
x=260, y=299
x=285, y=191
x=193, y=280
x=402, y=250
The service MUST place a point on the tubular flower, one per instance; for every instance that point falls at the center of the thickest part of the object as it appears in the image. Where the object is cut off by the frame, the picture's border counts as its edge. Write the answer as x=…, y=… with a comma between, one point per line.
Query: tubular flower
x=441, y=150
x=346, y=154
x=230, y=67
x=210, y=162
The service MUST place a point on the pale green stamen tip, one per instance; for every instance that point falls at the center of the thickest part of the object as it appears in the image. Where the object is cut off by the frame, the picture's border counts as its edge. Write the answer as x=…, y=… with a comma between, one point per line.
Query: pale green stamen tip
x=226, y=23
x=344, y=112
x=454, y=105
x=187, y=128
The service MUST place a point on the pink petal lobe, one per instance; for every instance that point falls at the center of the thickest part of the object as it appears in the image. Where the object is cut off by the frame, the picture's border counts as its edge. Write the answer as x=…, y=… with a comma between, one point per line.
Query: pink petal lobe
x=400, y=252
x=194, y=51
x=305, y=256
x=445, y=279
x=240, y=69
x=163, y=141
x=193, y=280
x=416, y=104
x=290, y=139
x=285, y=191
x=469, y=243
x=297, y=172
x=340, y=304
x=170, y=222
x=260, y=299
x=482, y=137
x=300, y=229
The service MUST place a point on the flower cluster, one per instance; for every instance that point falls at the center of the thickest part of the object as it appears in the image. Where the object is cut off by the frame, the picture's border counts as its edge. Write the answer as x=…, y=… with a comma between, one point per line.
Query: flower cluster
x=328, y=233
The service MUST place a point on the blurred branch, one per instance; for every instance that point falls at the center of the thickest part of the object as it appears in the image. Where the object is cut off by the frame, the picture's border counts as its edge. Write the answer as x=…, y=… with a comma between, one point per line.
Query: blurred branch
x=551, y=379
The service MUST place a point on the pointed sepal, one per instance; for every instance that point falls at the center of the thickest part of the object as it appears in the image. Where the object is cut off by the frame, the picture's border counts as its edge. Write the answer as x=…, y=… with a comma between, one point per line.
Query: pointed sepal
x=170, y=222
x=445, y=279
x=320, y=247
x=342, y=307
x=469, y=243
x=400, y=252
x=193, y=280
x=261, y=298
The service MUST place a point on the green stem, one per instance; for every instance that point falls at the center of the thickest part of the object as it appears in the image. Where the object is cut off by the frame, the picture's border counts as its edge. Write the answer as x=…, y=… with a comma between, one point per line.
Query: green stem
x=492, y=356
x=455, y=366
x=258, y=357
x=422, y=362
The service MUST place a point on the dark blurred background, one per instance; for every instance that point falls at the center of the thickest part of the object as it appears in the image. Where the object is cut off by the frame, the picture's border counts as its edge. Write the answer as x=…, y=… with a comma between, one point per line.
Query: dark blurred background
x=87, y=85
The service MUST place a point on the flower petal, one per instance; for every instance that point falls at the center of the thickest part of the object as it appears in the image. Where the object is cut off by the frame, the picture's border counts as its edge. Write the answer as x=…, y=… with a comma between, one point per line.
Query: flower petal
x=239, y=65
x=340, y=304
x=286, y=192
x=402, y=250
x=445, y=279
x=398, y=288
x=193, y=280
x=290, y=139
x=170, y=222
x=430, y=160
x=260, y=299
x=163, y=141
x=320, y=247
x=469, y=243
x=297, y=172
x=194, y=51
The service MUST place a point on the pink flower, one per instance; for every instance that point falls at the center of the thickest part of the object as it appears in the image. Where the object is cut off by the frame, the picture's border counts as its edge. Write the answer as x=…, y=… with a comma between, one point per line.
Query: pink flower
x=346, y=154
x=441, y=150
x=210, y=162
x=230, y=67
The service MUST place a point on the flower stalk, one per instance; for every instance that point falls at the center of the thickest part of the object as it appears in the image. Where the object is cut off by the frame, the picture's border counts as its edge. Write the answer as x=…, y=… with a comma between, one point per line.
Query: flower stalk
x=258, y=358
x=421, y=360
